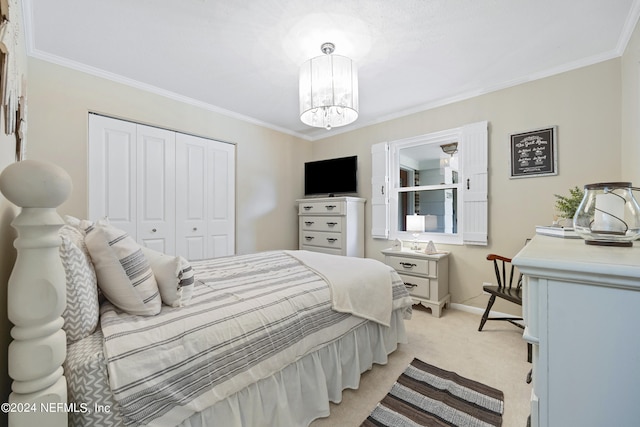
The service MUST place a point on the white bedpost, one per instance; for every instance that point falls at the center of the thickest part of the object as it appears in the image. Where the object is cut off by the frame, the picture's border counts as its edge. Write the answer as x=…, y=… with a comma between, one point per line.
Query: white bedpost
x=36, y=295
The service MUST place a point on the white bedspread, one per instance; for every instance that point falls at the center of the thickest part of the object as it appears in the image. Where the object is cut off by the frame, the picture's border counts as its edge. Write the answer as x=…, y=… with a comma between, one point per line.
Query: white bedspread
x=359, y=286
x=251, y=316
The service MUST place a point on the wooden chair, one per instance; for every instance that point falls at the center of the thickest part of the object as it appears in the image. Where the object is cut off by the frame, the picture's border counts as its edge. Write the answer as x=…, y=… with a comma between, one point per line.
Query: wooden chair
x=506, y=289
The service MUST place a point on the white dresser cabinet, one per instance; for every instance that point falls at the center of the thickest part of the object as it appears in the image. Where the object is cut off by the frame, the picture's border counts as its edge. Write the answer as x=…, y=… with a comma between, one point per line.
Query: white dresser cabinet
x=582, y=313
x=333, y=225
x=426, y=276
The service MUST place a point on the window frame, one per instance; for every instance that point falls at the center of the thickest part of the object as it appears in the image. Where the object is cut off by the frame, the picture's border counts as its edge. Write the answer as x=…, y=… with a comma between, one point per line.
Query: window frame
x=395, y=189
x=472, y=219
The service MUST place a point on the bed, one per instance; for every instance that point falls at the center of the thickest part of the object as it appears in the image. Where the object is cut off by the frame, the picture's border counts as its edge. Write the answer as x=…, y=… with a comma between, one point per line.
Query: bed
x=250, y=340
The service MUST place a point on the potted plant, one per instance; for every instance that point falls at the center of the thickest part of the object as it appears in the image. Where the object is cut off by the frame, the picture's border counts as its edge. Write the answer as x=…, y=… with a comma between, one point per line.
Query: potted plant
x=568, y=205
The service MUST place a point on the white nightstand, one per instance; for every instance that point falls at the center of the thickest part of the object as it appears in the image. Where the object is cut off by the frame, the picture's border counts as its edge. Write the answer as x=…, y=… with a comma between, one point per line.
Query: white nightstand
x=425, y=275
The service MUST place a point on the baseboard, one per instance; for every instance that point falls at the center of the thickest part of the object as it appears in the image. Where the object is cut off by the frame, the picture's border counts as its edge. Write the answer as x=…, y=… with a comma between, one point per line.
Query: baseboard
x=467, y=308
x=480, y=311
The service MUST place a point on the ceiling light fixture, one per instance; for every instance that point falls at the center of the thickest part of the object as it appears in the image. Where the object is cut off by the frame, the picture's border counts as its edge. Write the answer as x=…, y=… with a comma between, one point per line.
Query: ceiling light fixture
x=450, y=149
x=328, y=90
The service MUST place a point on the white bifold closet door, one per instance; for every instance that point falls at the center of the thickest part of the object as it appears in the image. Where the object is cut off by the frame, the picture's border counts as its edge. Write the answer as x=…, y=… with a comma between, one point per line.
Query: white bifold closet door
x=172, y=192
x=155, y=185
x=205, y=180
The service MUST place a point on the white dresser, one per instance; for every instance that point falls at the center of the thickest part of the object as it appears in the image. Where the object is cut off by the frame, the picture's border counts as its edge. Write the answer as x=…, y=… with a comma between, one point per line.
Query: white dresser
x=582, y=314
x=333, y=225
x=426, y=276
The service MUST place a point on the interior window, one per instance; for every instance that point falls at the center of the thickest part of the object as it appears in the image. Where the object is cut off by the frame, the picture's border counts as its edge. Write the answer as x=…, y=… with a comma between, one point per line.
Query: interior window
x=428, y=179
x=432, y=187
x=426, y=187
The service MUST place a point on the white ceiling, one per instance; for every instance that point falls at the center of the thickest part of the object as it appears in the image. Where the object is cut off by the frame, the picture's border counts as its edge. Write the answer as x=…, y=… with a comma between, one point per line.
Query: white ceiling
x=242, y=57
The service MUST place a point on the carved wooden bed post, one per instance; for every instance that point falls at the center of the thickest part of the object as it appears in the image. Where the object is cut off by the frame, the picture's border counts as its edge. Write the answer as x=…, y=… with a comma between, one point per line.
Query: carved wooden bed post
x=36, y=295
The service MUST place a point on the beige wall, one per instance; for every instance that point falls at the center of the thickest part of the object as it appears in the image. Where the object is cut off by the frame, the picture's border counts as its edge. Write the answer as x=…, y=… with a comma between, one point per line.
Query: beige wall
x=268, y=166
x=630, y=161
x=584, y=104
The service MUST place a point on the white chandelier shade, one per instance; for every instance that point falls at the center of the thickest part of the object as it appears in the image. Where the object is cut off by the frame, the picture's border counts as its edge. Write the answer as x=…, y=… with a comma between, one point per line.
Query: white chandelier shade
x=328, y=90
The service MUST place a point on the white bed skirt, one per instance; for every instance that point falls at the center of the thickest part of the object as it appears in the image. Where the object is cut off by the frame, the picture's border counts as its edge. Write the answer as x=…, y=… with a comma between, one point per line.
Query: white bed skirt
x=301, y=392
x=295, y=396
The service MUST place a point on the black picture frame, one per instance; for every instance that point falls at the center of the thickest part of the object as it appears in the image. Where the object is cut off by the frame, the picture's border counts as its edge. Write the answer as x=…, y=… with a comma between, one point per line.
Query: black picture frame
x=534, y=153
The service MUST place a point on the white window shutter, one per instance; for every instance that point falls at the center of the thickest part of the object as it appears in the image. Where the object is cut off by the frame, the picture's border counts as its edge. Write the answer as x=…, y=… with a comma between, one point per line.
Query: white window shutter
x=475, y=144
x=379, y=193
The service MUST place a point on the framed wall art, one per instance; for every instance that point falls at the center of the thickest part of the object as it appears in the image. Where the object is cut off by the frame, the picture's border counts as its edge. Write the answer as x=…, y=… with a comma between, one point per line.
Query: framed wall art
x=534, y=153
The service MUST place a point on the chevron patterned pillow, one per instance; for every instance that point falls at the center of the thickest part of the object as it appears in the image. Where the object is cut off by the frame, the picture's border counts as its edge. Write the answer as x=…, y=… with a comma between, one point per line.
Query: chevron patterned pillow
x=82, y=311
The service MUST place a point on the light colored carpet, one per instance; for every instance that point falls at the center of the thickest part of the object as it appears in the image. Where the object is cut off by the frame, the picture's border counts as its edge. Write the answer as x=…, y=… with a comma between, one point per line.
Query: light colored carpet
x=497, y=356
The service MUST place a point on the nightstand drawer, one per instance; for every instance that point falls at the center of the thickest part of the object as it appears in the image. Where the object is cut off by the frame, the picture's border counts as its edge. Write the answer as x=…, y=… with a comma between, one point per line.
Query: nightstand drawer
x=321, y=223
x=418, y=286
x=412, y=265
x=335, y=208
x=426, y=276
x=323, y=239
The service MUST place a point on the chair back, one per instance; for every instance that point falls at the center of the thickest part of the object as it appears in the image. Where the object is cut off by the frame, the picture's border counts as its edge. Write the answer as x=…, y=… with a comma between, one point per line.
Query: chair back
x=502, y=265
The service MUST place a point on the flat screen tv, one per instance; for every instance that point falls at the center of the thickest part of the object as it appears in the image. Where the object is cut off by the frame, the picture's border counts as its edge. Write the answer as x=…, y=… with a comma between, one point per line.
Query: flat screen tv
x=331, y=177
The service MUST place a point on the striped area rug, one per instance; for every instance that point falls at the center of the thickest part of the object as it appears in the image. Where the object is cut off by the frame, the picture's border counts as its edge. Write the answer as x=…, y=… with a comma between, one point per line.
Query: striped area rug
x=428, y=396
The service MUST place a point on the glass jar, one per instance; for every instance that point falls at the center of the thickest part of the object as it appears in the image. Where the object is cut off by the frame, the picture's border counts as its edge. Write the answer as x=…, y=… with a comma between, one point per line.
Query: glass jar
x=608, y=215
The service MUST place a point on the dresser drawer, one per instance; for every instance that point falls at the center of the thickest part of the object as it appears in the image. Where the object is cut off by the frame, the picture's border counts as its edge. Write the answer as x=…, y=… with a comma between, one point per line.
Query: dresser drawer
x=417, y=286
x=330, y=251
x=322, y=239
x=308, y=208
x=321, y=223
x=413, y=265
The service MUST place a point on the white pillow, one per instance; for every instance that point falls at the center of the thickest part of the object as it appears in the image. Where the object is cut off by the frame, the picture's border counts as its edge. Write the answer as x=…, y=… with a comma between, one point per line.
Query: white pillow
x=174, y=276
x=124, y=274
x=81, y=313
x=73, y=222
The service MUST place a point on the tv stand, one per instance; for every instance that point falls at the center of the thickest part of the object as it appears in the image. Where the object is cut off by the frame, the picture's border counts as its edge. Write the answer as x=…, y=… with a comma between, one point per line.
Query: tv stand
x=333, y=225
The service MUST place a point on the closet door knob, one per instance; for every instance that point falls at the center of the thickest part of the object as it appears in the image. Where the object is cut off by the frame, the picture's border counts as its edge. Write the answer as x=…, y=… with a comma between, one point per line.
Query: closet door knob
x=195, y=228
x=153, y=230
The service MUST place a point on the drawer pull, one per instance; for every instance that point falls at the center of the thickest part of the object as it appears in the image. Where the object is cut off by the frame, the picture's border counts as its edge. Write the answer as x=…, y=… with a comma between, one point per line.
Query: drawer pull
x=308, y=222
x=306, y=208
x=407, y=265
x=410, y=285
x=331, y=224
x=308, y=238
x=330, y=207
x=331, y=239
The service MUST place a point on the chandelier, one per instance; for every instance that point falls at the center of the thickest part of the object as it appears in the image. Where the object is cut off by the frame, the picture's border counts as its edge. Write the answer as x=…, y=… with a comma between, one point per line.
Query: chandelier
x=328, y=90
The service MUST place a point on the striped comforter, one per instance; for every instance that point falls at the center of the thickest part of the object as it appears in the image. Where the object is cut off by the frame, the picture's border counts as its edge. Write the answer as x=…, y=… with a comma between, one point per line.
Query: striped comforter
x=250, y=316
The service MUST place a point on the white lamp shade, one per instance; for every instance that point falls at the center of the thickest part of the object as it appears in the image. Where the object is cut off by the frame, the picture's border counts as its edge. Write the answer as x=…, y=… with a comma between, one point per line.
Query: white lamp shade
x=415, y=223
x=328, y=91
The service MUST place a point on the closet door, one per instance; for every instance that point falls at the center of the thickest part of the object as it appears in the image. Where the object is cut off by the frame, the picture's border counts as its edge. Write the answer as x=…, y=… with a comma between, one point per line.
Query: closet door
x=112, y=172
x=191, y=197
x=172, y=192
x=221, y=206
x=205, y=197
x=156, y=188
